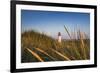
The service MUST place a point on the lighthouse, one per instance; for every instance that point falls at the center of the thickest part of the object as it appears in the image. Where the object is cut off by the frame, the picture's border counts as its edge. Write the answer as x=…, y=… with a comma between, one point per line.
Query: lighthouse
x=59, y=37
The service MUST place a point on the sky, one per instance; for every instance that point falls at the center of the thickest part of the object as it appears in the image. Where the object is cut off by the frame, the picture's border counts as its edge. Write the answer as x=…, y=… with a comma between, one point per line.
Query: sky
x=52, y=22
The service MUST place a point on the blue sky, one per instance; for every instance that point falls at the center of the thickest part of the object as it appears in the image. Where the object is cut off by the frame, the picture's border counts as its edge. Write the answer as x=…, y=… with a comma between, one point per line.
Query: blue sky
x=51, y=22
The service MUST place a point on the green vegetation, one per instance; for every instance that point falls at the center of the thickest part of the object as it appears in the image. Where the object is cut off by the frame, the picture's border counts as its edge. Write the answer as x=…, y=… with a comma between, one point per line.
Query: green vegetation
x=38, y=47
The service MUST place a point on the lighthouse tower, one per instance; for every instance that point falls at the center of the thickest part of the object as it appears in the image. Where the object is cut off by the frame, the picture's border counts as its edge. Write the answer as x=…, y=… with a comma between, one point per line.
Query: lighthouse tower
x=59, y=37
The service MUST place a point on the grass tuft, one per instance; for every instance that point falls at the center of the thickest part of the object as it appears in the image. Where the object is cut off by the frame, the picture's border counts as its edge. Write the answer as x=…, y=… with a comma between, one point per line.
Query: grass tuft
x=38, y=47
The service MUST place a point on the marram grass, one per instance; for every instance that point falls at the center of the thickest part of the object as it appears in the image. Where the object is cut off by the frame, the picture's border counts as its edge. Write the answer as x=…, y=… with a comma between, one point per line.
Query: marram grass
x=38, y=47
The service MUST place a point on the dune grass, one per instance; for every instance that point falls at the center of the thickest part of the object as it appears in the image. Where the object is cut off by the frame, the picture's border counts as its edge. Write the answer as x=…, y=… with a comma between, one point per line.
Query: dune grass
x=38, y=47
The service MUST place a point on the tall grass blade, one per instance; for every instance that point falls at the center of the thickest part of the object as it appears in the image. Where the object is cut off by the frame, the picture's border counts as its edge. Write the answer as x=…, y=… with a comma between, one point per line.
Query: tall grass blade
x=65, y=57
x=36, y=55
x=67, y=32
x=82, y=44
x=40, y=50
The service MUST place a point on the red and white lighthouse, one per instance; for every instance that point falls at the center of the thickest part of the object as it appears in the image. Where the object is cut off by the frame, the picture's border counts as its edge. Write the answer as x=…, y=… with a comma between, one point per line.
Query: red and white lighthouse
x=59, y=37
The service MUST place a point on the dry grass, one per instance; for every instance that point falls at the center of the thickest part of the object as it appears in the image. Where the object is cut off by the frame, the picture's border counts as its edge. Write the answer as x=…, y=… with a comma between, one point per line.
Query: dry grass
x=36, y=55
x=45, y=48
x=40, y=50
